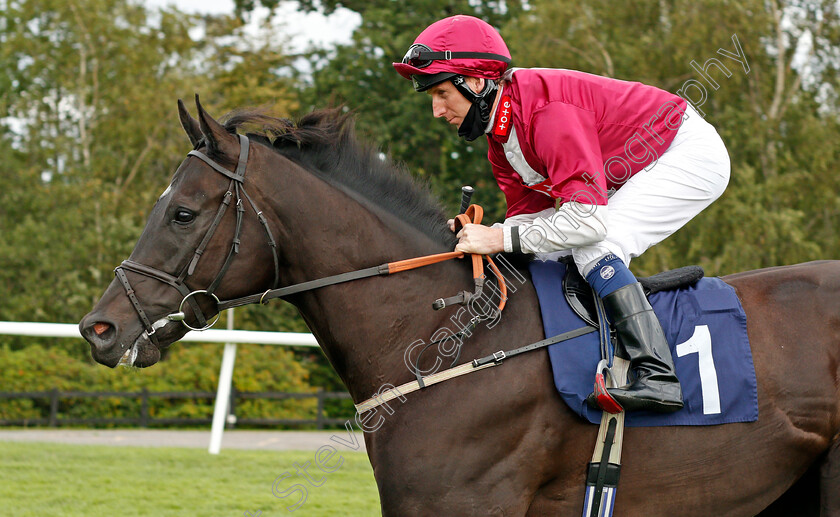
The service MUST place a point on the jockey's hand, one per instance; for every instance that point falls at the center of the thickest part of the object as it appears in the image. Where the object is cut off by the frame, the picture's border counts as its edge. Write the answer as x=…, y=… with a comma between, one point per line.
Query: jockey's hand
x=476, y=238
x=451, y=223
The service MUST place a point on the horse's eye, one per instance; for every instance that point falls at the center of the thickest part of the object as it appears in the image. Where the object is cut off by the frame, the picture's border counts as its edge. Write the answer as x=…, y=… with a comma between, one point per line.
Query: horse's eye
x=184, y=216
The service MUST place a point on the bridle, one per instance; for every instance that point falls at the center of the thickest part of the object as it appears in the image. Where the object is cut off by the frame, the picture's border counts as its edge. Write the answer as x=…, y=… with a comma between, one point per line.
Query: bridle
x=236, y=190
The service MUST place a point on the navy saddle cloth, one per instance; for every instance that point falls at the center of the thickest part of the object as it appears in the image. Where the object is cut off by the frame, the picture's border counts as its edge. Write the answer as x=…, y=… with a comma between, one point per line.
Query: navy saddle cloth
x=707, y=329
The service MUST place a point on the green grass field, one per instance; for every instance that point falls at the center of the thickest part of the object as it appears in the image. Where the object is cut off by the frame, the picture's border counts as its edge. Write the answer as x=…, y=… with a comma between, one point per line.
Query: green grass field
x=40, y=479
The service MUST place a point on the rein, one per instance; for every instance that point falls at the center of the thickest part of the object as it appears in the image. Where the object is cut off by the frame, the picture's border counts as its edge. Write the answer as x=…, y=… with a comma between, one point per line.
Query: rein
x=473, y=214
x=380, y=270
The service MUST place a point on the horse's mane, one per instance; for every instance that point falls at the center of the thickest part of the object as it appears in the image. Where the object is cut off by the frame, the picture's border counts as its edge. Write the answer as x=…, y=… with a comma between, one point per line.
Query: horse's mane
x=324, y=143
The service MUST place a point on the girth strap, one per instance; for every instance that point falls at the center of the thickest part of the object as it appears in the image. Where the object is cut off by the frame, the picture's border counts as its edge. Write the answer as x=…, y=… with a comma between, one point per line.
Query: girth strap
x=597, y=475
x=474, y=366
x=604, y=469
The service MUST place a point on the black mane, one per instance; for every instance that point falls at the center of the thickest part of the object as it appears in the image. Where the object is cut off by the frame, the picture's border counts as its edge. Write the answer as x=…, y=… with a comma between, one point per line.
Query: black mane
x=324, y=142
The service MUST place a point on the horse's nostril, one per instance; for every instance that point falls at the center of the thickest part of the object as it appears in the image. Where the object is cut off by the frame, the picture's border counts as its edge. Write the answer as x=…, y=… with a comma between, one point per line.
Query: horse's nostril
x=100, y=334
x=100, y=328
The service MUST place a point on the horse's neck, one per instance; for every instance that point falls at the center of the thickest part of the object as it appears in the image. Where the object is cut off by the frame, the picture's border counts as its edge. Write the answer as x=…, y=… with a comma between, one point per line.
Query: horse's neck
x=365, y=326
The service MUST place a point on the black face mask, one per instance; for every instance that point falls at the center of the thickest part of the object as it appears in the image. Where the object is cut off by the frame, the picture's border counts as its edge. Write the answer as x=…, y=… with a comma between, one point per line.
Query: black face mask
x=472, y=127
x=478, y=116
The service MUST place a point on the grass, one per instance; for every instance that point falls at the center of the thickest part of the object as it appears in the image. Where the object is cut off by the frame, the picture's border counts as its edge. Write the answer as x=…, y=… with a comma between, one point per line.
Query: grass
x=60, y=480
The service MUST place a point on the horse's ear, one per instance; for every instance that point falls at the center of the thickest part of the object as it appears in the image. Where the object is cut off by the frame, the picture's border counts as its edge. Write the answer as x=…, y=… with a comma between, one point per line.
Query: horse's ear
x=189, y=124
x=219, y=141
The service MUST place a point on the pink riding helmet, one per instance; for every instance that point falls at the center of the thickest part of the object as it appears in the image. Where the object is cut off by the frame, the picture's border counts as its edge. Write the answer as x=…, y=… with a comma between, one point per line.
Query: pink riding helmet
x=458, y=45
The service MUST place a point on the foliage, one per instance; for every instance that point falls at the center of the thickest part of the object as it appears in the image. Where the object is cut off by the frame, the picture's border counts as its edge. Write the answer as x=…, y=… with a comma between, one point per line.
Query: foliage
x=781, y=201
x=778, y=119
x=94, y=84
x=89, y=134
x=191, y=367
x=90, y=137
x=389, y=112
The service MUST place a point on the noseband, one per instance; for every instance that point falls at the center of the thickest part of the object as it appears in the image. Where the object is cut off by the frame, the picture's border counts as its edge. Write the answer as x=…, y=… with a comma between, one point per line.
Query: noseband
x=235, y=189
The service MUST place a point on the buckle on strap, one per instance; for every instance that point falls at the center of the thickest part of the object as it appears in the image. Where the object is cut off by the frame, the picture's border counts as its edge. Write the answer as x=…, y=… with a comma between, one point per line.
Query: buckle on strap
x=499, y=356
x=461, y=298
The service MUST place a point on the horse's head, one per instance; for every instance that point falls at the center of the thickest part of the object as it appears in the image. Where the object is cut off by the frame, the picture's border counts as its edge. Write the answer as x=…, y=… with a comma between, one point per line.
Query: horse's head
x=315, y=202
x=185, y=257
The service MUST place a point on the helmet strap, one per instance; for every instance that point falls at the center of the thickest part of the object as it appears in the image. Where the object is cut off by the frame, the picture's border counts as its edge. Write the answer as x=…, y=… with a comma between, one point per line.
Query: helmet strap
x=477, y=119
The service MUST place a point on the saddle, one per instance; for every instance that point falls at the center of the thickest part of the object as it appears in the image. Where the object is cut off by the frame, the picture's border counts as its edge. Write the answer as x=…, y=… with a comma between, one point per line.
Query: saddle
x=582, y=300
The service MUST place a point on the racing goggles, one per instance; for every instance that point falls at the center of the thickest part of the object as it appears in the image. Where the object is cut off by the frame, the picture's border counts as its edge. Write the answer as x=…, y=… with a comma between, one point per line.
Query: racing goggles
x=420, y=56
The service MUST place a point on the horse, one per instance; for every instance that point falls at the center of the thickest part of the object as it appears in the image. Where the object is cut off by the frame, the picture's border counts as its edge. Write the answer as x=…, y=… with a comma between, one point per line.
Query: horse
x=496, y=442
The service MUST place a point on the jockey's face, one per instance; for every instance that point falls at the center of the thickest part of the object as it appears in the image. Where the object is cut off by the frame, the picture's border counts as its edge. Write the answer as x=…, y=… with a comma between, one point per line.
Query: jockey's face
x=448, y=103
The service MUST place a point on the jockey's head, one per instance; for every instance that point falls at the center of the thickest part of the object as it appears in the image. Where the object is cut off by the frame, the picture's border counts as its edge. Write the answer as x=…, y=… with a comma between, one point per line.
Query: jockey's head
x=458, y=55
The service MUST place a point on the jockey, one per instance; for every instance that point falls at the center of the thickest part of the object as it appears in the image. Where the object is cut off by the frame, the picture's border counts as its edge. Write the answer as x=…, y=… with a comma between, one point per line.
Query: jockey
x=598, y=167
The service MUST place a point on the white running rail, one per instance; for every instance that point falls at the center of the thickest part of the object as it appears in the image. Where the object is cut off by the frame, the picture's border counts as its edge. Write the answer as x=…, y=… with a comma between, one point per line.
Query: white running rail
x=229, y=337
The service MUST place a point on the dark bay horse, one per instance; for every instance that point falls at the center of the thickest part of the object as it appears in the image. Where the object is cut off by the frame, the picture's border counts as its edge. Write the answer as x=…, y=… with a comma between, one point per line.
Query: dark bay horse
x=496, y=442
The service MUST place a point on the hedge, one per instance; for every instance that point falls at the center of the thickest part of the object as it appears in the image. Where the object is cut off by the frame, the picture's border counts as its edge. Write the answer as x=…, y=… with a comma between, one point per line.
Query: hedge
x=185, y=367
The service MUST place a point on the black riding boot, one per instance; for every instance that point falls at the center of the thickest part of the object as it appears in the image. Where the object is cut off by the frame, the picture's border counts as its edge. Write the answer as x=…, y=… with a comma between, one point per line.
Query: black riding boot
x=655, y=386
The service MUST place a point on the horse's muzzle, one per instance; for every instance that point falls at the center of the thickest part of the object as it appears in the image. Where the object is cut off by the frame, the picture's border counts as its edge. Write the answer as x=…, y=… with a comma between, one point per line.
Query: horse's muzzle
x=111, y=346
x=102, y=335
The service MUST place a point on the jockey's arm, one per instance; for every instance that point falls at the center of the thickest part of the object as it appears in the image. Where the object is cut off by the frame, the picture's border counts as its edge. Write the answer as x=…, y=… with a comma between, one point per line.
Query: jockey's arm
x=571, y=225
x=535, y=225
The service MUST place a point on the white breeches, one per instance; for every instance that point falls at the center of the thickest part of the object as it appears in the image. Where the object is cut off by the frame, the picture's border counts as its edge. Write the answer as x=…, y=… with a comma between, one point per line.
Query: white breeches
x=660, y=200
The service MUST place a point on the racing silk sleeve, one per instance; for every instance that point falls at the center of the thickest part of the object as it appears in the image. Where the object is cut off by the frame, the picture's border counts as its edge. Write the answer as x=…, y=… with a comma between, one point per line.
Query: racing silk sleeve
x=572, y=225
x=564, y=139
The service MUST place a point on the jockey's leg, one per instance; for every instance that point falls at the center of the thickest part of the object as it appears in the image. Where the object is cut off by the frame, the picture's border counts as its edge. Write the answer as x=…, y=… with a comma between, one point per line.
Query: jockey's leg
x=640, y=337
x=650, y=206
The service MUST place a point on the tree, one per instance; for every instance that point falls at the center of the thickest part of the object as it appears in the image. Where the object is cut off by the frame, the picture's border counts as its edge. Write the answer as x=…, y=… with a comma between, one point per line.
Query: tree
x=389, y=112
x=84, y=85
x=776, y=113
x=88, y=99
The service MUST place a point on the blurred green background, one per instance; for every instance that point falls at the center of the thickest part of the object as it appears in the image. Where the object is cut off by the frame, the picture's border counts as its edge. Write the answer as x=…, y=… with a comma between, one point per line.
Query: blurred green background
x=89, y=137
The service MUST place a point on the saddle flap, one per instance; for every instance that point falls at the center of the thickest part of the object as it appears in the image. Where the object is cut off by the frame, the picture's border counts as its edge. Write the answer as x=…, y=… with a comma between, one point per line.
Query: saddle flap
x=579, y=295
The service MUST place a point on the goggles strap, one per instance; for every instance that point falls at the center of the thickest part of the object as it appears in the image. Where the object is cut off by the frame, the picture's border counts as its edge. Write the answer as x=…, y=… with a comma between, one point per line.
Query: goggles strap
x=421, y=56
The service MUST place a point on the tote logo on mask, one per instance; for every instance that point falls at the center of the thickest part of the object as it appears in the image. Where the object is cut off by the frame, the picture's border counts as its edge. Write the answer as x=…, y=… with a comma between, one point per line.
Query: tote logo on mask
x=504, y=117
